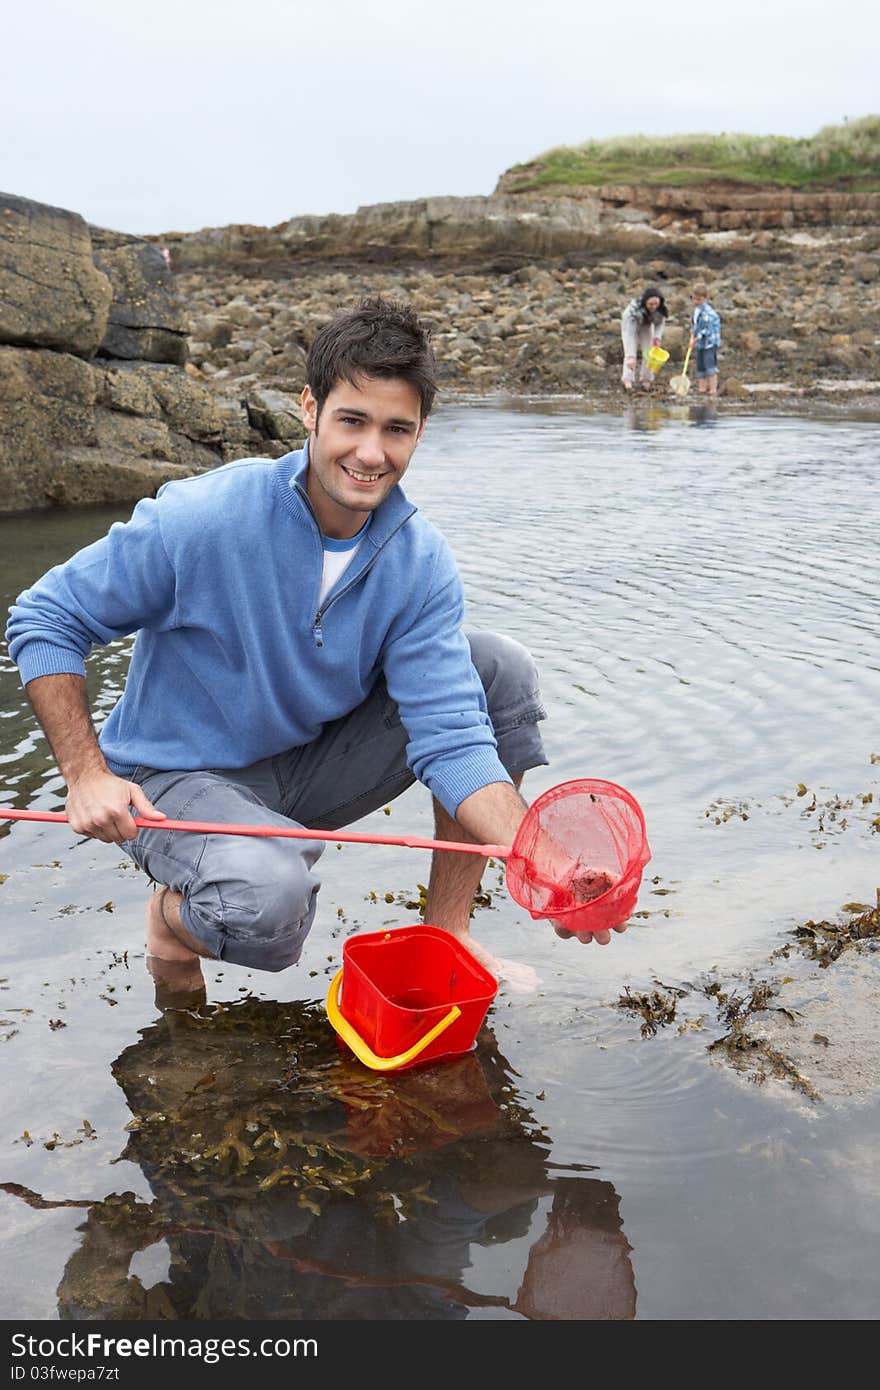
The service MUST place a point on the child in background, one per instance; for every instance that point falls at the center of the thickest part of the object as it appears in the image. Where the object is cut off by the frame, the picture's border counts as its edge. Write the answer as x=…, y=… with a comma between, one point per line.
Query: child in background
x=706, y=338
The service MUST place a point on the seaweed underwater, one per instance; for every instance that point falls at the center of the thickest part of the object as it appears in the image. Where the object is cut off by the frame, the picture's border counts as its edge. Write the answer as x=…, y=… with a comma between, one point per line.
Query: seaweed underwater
x=290, y=1182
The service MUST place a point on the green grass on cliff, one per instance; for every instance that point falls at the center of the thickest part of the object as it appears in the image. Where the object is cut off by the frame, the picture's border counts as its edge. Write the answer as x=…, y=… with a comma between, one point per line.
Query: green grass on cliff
x=845, y=155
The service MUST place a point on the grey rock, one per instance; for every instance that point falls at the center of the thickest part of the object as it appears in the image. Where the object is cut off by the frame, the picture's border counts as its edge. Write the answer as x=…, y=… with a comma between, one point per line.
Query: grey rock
x=427, y=227
x=47, y=407
x=277, y=415
x=146, y=320
x=51, y=293
x=867, y=269
x=133, y=426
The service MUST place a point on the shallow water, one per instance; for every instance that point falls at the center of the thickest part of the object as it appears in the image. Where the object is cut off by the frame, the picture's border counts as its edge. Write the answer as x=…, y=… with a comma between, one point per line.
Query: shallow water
x=700, y=593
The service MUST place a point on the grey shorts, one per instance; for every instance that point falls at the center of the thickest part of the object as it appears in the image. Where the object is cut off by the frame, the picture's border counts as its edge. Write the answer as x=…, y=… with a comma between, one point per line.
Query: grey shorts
x=252, y=901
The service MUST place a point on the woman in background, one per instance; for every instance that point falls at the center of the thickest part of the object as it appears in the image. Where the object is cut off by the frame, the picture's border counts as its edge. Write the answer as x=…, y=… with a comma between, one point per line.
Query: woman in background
x=641, y=328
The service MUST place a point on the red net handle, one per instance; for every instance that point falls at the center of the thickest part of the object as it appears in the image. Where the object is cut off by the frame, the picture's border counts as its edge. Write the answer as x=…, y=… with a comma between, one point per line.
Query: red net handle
x=293, y=832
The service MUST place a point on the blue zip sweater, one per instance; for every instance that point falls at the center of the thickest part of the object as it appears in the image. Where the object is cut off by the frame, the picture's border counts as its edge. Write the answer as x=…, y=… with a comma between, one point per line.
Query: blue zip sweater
x=234, y=661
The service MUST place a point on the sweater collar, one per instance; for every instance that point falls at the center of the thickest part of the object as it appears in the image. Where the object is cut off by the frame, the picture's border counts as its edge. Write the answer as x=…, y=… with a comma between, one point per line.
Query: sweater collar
x=290, y=478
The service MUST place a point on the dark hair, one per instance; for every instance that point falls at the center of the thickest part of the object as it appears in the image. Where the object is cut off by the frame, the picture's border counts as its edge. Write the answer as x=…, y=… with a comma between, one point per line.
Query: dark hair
x=380, y=338
x=653, y=293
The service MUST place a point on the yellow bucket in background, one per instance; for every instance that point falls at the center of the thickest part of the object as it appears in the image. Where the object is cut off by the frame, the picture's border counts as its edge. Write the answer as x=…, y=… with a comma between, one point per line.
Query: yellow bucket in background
x=656, y=357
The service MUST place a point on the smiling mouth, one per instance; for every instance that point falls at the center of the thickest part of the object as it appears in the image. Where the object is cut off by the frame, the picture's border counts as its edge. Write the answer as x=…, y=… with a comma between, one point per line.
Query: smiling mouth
x=361, y=477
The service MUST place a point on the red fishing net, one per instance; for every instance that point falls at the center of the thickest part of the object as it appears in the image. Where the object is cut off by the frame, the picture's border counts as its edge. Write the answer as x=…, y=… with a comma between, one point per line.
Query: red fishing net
x=579, y=855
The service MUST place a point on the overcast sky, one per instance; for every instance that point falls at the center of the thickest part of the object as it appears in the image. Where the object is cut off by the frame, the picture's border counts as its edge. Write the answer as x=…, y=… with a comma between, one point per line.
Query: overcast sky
x=181, y=114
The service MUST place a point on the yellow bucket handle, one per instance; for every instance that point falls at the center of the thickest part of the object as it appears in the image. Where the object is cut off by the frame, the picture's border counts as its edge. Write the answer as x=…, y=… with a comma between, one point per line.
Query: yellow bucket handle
x=362, y=1050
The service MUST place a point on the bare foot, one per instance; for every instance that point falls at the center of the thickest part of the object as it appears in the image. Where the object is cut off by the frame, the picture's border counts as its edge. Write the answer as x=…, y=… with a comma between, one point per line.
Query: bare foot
x=519, y=978
x=160, y=940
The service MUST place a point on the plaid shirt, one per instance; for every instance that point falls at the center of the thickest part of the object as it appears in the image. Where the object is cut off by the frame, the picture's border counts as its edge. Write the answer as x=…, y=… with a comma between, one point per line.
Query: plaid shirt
x=706, y=325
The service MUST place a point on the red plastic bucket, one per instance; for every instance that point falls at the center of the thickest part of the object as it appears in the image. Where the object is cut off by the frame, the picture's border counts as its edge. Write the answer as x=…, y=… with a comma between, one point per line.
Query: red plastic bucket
x=408, y=996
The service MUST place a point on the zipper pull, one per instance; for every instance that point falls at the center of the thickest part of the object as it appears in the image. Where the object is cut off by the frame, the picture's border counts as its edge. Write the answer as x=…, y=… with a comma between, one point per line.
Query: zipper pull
x=318, y=631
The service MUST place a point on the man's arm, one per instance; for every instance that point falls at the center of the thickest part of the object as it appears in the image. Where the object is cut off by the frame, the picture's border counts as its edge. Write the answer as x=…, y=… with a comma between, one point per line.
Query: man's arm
x=98, y=802
x=105, y=591
x=493, y=815
x=452, y=747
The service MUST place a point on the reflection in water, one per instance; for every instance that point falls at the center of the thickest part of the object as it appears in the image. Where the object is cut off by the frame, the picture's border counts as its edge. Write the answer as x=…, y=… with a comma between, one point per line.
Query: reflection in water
x=704, y=413
x=645, y=417
x=291, y=1182
x=639, y=415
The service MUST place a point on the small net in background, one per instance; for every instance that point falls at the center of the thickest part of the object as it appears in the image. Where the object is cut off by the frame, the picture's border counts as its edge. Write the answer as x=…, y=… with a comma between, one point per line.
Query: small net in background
x=579, y=855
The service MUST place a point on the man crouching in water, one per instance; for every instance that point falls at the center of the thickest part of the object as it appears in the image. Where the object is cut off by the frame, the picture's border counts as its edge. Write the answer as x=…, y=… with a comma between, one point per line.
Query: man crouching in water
x=300, y=659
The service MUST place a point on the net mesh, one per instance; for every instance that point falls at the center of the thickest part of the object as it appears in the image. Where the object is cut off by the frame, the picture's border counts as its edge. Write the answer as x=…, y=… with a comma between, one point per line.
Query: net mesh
x=579, y=856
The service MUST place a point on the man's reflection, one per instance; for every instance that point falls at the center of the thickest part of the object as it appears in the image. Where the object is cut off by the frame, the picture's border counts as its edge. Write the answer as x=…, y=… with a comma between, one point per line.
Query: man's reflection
x=291, y=1182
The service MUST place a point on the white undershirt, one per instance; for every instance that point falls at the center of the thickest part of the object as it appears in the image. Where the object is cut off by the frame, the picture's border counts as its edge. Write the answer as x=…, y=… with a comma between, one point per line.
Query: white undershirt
x=338, y=555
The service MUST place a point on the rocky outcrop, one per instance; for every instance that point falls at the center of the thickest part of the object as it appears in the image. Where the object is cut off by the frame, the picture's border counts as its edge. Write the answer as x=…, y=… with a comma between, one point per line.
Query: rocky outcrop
x=707, y=207
x=77, y=432
x=425, y=229
x=798, y=316
x=146, y=320
x=523, y=293
x=509, y=229
x=96, y=404
x=116, y=374
x=51, y=293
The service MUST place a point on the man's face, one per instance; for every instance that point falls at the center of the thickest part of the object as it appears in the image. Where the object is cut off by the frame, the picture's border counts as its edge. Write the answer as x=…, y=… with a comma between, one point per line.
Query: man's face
x=360, y=449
